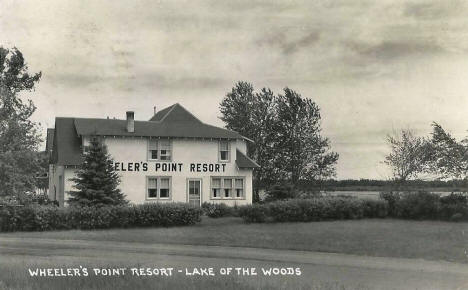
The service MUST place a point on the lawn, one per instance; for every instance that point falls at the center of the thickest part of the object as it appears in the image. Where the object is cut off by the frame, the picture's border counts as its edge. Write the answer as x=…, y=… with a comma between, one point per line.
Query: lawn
x=432, y=240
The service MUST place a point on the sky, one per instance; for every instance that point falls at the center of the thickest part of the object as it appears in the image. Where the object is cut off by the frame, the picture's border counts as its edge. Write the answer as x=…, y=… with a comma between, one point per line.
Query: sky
x=373, y=67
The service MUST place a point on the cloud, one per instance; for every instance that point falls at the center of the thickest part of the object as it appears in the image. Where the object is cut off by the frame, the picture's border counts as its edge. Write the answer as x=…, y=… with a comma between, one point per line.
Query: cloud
x=288, y=46
x=393, y=49
x=433, y=10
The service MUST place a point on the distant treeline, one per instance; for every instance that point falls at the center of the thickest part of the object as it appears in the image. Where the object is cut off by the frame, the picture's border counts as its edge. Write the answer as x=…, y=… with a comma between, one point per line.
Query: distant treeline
x=373, y=184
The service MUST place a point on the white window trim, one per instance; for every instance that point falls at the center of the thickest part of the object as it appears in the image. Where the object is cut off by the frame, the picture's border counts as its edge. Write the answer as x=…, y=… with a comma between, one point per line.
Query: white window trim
x=158, y=148
x=201, y=188
x=158, y=188
x=229, y=151
x=233, y=188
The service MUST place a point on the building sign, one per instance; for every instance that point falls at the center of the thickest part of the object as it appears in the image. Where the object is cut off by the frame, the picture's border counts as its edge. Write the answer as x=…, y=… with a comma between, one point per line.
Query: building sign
x=168, y=167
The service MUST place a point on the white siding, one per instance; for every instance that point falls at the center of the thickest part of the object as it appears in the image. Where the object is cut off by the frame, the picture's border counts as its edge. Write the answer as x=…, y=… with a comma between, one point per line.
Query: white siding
x=185, y=151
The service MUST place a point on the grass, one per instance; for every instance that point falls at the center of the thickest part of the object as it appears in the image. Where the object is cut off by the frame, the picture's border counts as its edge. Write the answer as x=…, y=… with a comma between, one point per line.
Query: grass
x=432, y=240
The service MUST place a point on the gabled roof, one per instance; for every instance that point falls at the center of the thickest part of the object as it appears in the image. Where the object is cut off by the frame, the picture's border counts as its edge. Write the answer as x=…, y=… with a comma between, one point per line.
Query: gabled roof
x=67, y=144
x=175, y=113
x=175, y=121
x=243, y=161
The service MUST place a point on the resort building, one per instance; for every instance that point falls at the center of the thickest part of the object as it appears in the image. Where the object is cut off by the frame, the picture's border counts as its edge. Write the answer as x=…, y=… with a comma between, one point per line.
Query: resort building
x=173, y=157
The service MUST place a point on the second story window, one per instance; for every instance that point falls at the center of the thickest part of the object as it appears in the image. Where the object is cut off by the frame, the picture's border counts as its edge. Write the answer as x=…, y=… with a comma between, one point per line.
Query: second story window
x=224, y=151
x=153, y=150
x=159, y=150
x=165, y=149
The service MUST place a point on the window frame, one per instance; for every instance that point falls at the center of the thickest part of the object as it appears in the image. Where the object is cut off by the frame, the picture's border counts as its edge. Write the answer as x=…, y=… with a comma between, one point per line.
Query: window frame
x=196, y=179
x=158, y=150
x=228, y=151
x=233, y=191
x=158, y=187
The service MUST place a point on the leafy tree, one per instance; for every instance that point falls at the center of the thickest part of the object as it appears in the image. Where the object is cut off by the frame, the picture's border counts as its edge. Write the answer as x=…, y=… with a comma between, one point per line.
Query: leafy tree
x=303, y=152
x=19, y=136
x=448, y=157
x=408, y=156
x=96, y=181
x=42, y=181
x=253, y=115
x=285, y=130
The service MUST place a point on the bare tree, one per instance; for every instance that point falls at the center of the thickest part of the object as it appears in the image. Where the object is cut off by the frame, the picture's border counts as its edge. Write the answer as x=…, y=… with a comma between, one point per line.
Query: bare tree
x=407, y=158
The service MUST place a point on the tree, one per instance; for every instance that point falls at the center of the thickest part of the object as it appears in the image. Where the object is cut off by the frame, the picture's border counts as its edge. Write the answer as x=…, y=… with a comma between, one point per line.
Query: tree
x=448, y=157
x=408, y=155
x=253, y=115
x=303, y=152
x=285, y=130
x=19, y=136
x=97, y=181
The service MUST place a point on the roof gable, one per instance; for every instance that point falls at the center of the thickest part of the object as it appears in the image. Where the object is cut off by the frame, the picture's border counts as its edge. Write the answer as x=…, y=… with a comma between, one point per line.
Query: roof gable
x=175, y=113
x=67, y=144
x=243, y=161
x=161, y=114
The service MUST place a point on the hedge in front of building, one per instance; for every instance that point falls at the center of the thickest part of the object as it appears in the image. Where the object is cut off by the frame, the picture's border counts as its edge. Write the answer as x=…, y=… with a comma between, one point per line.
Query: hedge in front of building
x=43, y=218
x=315, y=209
x=403, y=205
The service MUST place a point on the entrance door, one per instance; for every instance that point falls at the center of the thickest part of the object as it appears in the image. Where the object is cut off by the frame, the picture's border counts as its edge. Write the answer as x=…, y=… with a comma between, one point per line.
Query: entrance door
x=194, y=191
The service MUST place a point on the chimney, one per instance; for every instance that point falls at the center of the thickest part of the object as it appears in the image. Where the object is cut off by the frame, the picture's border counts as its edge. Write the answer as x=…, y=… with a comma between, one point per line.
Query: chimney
x=154, y=108
x=130, y=121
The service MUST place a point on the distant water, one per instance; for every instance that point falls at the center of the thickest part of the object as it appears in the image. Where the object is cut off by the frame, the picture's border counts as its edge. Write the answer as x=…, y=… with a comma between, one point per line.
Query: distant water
x=367, y=194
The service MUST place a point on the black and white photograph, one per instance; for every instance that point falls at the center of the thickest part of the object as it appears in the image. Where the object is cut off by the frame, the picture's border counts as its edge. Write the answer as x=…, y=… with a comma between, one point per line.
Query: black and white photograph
x=243, y=144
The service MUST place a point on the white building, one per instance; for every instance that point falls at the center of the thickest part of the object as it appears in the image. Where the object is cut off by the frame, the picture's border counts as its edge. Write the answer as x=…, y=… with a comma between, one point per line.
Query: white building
x=173, y=157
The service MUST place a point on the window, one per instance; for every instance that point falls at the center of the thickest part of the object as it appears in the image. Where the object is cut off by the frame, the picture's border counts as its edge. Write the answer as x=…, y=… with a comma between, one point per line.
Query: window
x=194, y=187
x=164, y=190
x=224, y=151
x=165, y=150
x=159, y=150
x=153, y=149
x=216, y=187
x=152, y=188
x=159, y=188
x=227, y=187
x=239, y=187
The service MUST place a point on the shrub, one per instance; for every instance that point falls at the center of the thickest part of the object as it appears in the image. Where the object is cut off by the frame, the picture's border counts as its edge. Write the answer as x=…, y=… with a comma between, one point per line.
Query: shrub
x=42, y=218
x=255, y=213
x=426, y=205
x=315, y=209
x=454, y=207
x=280, y=191
x=217, y=210
x=392, y=198
x=375, y=208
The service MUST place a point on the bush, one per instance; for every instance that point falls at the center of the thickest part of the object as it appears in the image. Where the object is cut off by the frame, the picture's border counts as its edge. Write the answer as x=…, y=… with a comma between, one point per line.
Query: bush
x=375, y=208
x=216, y=210
x=255, y=213
x=418, y=205
x=425, y=205
x=280, y=191
x=42, y=218
x=316, y=209
x=392, y=198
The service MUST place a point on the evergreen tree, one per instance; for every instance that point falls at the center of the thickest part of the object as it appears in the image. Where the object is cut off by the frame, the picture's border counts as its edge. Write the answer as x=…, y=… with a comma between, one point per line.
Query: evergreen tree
x=96, y=181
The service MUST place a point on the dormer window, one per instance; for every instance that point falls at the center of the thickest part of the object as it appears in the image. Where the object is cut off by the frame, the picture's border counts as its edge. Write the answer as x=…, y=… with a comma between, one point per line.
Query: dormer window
x=224, y=151
x=159, y=150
